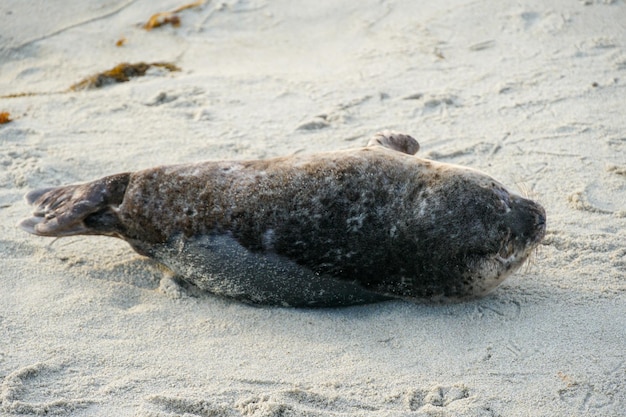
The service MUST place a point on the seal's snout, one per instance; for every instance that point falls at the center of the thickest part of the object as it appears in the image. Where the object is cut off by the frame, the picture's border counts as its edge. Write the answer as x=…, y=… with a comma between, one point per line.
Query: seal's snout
x=528, y=221
x=540, y=222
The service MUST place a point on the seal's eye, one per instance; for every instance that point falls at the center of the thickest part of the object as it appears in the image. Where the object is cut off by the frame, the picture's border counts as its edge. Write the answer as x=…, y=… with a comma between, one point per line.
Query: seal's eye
x=503, y=199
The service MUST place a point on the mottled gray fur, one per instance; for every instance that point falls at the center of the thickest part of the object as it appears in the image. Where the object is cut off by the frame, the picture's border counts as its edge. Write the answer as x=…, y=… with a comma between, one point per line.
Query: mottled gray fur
x=334, y=228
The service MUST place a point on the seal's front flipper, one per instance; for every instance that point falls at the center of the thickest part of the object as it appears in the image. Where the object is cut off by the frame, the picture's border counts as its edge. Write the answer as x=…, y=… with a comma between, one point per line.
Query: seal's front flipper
x=83, y=209
x=395, y=141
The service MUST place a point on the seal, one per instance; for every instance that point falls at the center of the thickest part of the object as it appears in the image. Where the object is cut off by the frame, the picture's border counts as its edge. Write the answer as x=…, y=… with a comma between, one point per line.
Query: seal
x=329, y=229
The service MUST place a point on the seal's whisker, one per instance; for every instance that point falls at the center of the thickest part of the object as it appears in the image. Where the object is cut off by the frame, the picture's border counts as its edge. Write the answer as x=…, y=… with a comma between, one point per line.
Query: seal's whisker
x=531, y=262
x=526, y=191
x=523, y=189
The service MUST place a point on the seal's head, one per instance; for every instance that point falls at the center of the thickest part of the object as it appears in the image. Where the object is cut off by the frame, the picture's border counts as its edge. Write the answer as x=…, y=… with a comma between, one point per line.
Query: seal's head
x=489, y=230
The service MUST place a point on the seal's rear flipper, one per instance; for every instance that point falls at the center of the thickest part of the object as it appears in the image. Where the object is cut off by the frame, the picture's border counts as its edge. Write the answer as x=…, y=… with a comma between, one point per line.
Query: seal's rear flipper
x=83, y=209
x=395, y=141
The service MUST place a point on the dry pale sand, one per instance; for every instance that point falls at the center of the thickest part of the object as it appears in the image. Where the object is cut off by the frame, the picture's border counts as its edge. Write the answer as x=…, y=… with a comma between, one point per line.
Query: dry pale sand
x=532, y=92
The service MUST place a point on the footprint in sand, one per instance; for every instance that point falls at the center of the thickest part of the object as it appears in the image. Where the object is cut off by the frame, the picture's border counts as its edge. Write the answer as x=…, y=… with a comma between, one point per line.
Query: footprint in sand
x=603, y=197
x=41, y=388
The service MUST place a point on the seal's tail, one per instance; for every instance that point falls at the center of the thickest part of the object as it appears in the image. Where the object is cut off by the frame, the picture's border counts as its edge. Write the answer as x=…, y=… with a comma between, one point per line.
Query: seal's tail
x=82, y=209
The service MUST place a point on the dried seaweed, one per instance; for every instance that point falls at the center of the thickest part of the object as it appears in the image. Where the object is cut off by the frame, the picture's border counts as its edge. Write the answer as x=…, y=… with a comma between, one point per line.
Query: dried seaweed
x=160, y=19
x=5, y=117
x=120, y=74
x=31, y=94
x=189, y=6
x=171, y=18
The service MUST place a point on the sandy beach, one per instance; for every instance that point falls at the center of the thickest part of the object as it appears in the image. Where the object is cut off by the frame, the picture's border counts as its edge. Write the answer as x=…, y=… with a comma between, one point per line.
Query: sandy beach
x=531, y=92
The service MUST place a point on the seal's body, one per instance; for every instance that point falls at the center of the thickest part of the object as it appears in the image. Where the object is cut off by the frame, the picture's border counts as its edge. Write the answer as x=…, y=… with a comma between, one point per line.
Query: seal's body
x=329, y=229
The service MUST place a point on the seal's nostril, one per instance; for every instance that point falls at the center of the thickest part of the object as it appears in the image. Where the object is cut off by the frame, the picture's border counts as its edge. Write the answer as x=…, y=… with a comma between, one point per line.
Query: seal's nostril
x=541, y=219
